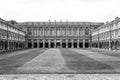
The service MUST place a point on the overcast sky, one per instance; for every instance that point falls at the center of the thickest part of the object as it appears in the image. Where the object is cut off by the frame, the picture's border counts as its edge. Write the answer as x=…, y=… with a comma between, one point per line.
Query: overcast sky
x=72, y=10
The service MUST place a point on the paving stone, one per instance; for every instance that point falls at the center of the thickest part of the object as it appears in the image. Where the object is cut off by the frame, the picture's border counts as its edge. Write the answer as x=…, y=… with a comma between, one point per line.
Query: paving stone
x=61, y=77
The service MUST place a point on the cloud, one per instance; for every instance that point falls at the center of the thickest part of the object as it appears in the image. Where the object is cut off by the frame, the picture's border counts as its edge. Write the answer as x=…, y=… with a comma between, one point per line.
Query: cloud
x=73, y=10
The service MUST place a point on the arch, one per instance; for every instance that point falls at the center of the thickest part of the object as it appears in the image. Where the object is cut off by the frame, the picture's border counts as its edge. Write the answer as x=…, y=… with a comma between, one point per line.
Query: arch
x=30, y=44
x=52, y=44
x=10, y=45
x=112, y=45
x=100, y=45
x=107, y=44
x=41, y=44
x=63, y=44
x=46, y=44
x=35, y=44
x=58, y=43
x=75, y=44
x=86, y=44
x=116, y=44
x=6, y=45
x=80, y=44
x=69, y=44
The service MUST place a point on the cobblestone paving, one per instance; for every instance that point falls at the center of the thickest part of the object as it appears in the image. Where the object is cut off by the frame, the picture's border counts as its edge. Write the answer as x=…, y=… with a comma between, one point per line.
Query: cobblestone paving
x=62, y=77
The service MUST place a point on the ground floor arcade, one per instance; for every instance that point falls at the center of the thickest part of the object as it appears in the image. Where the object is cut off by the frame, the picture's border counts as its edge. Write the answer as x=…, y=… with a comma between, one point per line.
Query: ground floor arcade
x=113, y=44
x=58, y=43
x=11, y=45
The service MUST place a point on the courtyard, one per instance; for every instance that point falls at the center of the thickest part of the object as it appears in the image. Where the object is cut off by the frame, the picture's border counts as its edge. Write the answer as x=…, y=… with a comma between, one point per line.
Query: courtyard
x=58, y=60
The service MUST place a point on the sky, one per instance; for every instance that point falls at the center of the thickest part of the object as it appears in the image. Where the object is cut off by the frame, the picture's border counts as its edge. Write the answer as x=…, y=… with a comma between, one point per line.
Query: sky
x=70, y=10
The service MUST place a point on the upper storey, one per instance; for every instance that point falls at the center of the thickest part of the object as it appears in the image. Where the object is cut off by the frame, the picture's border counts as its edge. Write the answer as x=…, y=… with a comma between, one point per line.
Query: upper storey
x=4, y=25
x=109, y=26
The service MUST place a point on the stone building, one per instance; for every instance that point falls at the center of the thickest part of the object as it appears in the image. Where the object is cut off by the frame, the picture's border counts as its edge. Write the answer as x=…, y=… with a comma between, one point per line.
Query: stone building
x=58, y=34
x=107, y=36
x=11, y=37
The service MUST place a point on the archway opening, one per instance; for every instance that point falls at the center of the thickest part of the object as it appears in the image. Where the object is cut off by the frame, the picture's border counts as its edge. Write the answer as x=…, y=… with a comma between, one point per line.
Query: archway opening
x=35, y=44
x=63, y=44
x=57, y=44
x=107, y=45
x=2, y=46
x=6, y=45
x=80, y=44
x=10, y=46
x=100, y=45
x=69, y=44
x=40, y=44
x=86, y=44
x=46, y=45
x=29, y=44
x=117, y=45
x=112, y=45
x=75, y=44
x=52, y=45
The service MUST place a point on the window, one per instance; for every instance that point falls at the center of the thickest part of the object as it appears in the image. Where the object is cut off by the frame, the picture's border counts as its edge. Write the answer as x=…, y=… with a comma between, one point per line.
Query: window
x=86, y=31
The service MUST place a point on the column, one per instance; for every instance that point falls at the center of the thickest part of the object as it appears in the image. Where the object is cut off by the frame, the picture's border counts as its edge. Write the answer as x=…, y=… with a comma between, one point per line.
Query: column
x=18, y=46
x=8, y=46
x=77, y=43
x=55, y=43
x=83, y=43
x=66, y=43
x=32, y=43
x=109, y=44
x=60, y=43
x=49, y=43
x=37, y=43
x=72, y=43
x=43, y=43
x=98, y=44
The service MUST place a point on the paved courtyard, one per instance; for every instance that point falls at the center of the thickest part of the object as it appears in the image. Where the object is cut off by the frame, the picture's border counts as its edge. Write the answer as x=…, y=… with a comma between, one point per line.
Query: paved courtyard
x=36, y=61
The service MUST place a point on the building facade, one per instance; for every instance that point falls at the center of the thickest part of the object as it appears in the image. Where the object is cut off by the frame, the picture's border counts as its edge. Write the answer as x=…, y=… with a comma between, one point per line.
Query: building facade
x=11, y=37
x=107, y=36
x=58, y=34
